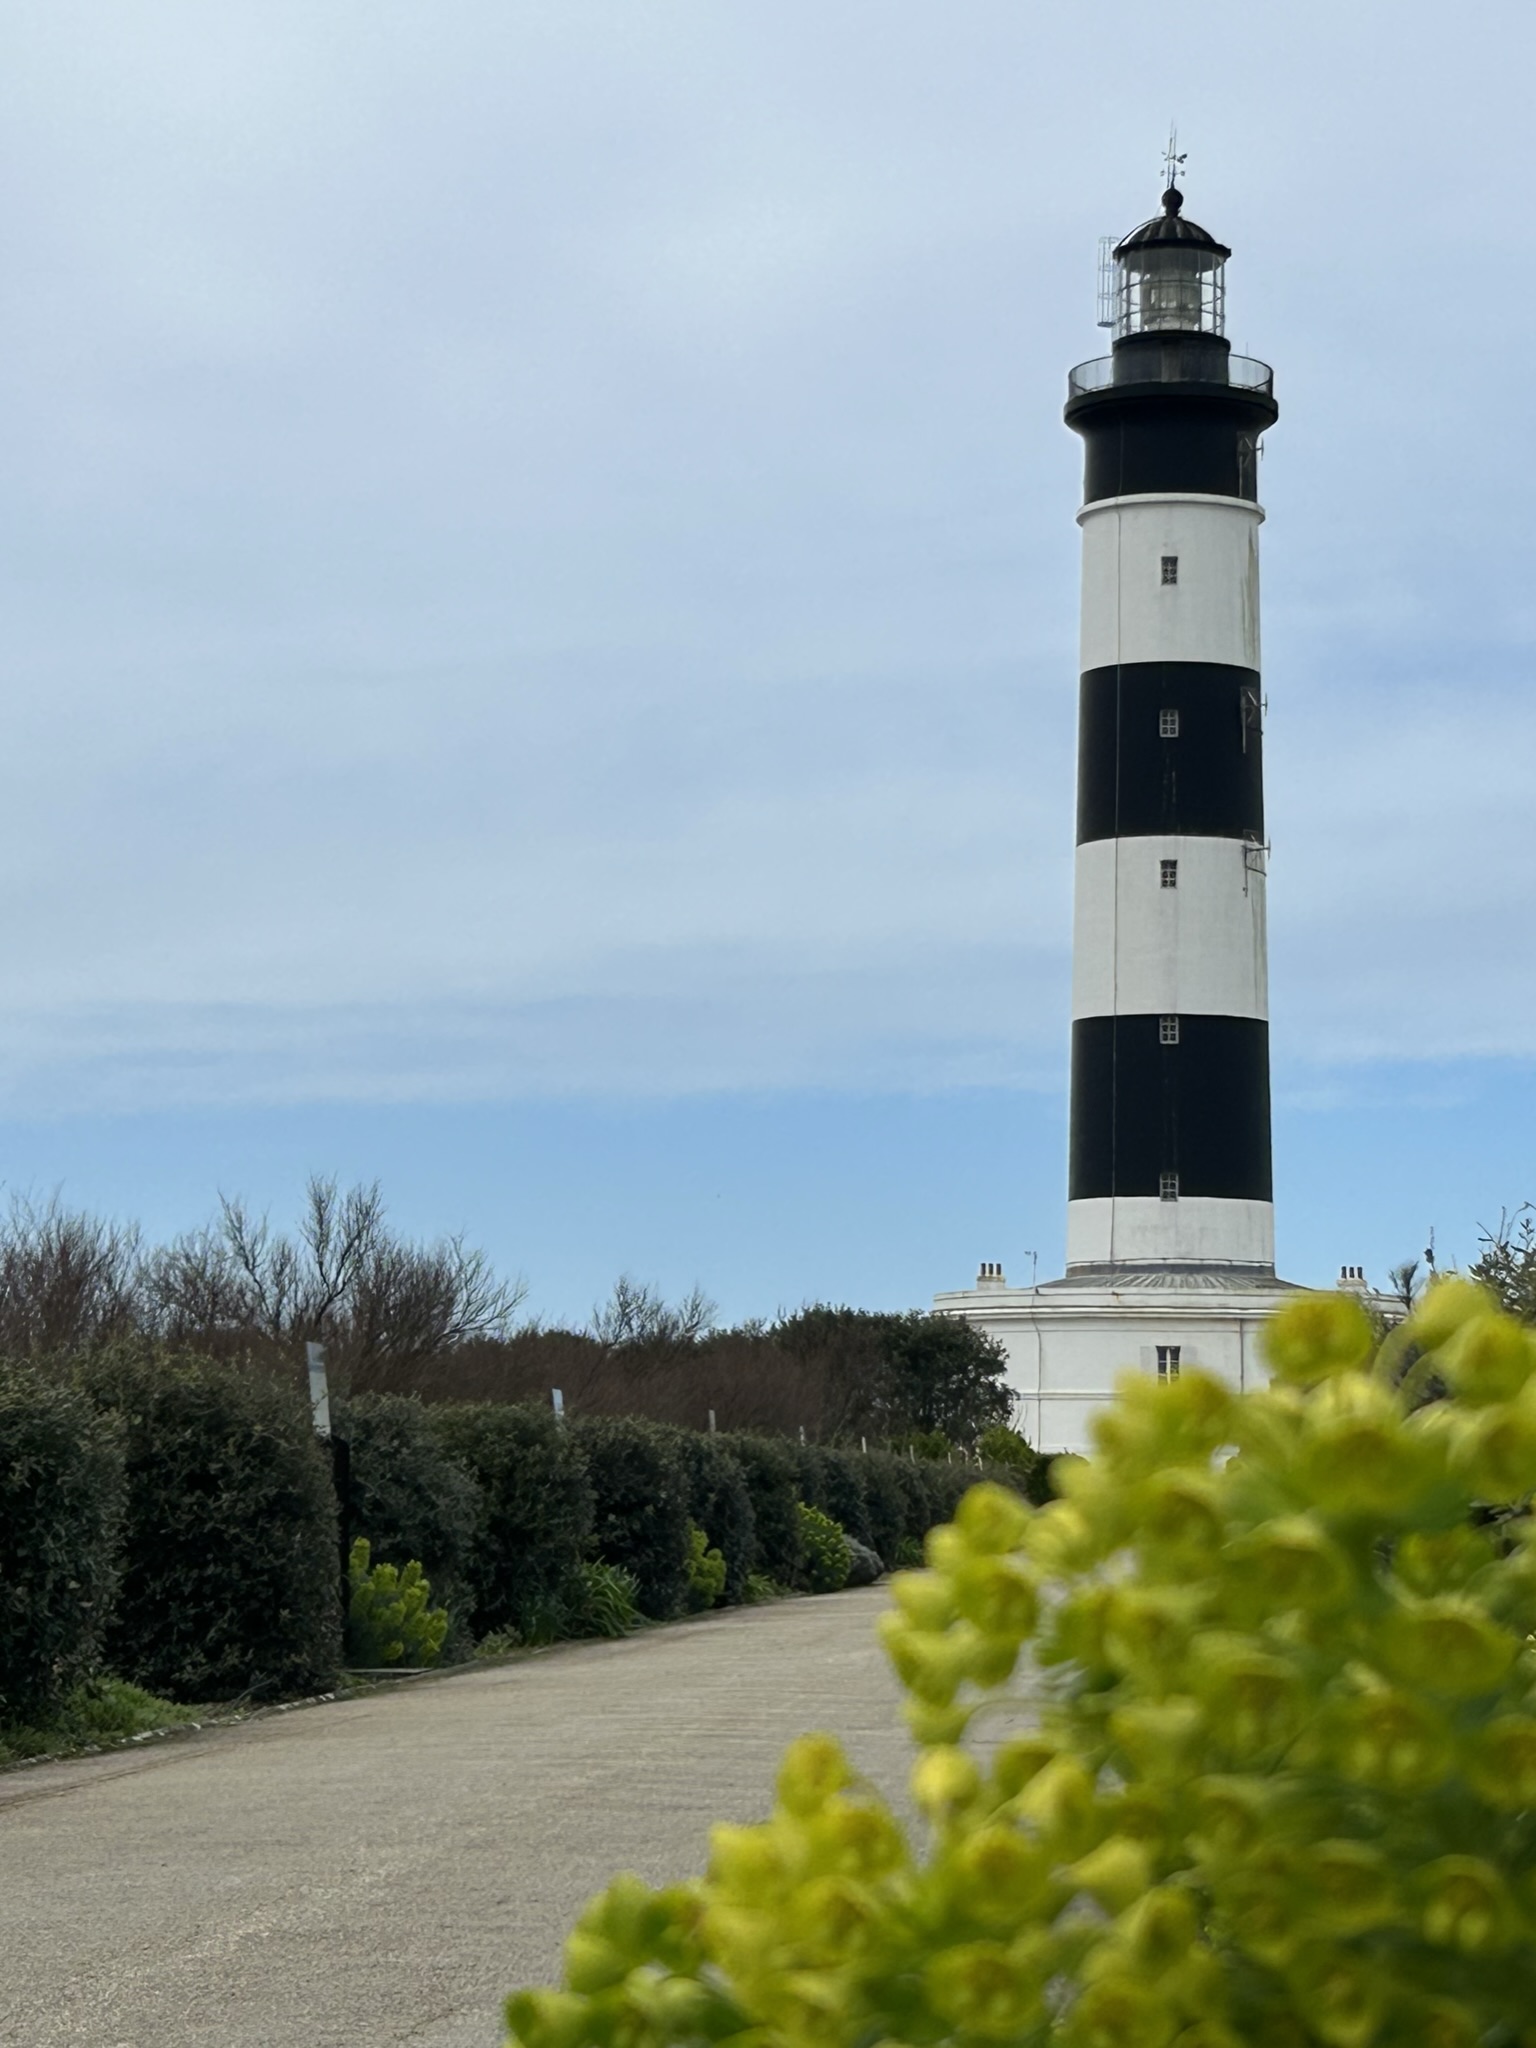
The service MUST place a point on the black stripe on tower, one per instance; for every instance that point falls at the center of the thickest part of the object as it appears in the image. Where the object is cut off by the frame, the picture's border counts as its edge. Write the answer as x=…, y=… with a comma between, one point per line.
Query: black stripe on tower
x=1170, y=747
x=1199, y=1108
x=1170, y=421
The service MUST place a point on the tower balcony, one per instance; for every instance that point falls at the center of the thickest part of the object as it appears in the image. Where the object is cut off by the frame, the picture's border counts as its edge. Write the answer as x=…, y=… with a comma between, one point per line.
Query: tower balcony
x=1170, y=361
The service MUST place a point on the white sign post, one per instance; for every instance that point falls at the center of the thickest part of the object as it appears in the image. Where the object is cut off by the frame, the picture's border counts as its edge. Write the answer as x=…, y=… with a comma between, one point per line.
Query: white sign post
x=319, y=1390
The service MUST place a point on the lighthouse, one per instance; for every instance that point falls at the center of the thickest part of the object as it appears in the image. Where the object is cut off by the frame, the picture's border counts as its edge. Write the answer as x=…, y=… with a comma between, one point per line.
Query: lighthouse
x=1170, y=1137
x=1170, y=1199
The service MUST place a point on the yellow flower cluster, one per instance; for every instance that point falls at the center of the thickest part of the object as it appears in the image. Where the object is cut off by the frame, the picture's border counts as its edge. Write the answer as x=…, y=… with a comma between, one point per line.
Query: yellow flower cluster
x=1268, y=1777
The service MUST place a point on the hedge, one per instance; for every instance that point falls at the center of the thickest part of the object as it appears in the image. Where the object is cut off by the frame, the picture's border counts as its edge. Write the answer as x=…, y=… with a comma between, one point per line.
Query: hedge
x=535, y=1517
x=721, y=1504
x=886, y=1503
x=845, y=1491
x=230, y=1559
x=408, y=1497
x=61, y=1499
x=769, y=1468
x=640, y=1498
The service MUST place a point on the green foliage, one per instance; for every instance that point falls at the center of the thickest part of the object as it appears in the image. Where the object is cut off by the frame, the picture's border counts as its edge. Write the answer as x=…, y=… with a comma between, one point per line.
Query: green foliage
x=706, y=1572
x=931, y=1444
x=825, y=1558
x=760, y=1590
x=99, y=1711
x=61, y=1494
x=412, y=1499
x=846, y=1491
x=390, y=1619
x=640, y=1506
x=229, y=1544
x=603, y=1601
x=885, y=1502
x=944, y=1377
x=1507, y=1262
x=535, y=1515
x=1280, y=1787
x=718, y=1500
x=768, y=1466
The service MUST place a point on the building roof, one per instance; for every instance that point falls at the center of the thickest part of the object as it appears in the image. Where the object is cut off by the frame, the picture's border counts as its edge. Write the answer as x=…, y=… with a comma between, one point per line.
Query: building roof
x=1171, y=226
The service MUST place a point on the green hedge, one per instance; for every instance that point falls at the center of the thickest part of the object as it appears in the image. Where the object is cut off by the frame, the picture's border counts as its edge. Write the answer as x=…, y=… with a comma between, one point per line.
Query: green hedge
x=640, y=1499
x=230, y=1559
x=720, y=1502
x=535, y=1518
x=886, y=1503
x=845, y=1491
x=408, y=1497
x=769, y=1467
x=61, y=1498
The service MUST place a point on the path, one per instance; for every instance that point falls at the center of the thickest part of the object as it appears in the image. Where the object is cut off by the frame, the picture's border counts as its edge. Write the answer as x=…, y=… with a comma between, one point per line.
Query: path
x=384, y=1870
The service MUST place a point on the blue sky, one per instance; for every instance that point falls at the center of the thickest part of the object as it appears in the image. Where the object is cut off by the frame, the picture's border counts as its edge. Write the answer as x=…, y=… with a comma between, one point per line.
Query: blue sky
x=539, y=588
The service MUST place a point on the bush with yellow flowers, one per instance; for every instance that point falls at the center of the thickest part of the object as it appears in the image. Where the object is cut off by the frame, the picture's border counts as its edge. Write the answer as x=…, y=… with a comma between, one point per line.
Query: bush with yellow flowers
x=1267, y=1777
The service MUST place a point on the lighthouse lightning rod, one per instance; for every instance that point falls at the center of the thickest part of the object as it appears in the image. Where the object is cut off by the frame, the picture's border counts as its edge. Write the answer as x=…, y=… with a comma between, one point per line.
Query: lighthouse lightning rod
x=1173, y=163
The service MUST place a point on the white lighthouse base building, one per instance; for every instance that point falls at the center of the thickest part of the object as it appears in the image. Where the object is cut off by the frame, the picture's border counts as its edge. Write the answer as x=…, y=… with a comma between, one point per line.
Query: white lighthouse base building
x=1068, y=1340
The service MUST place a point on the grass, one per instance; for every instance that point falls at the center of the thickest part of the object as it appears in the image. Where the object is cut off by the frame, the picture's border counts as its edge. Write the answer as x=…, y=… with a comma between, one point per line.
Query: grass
x=102, y=1711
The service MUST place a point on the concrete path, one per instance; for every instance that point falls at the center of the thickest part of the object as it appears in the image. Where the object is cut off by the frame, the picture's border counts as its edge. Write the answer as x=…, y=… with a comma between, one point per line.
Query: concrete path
x=384, y=1870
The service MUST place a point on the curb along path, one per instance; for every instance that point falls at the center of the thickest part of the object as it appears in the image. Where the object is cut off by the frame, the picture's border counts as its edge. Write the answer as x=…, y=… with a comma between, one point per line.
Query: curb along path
x=385, y=1869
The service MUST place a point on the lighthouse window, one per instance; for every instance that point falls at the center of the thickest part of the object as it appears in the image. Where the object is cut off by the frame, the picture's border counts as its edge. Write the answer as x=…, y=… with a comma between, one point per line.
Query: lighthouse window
x=1169, y=872
x=1167, y=1030
x=1170, y=568
x=1168, y=1187
x=1168, y=725
x=1168, y=1361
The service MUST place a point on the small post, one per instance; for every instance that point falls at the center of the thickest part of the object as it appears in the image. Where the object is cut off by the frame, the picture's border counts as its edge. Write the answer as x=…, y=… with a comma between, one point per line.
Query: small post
x=559, y=1400
x=712, y=1422
x=319, y=1389
x=341, y=1461
x=802, y=1432
x=864, y=1445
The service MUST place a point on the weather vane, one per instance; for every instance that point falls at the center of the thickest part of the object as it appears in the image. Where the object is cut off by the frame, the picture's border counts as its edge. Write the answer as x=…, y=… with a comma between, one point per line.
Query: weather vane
x=1173, y=163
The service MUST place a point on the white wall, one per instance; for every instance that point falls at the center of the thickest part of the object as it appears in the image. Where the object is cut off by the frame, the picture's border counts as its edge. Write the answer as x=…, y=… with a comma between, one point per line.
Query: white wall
x=1200, y=949
x=1210, y=614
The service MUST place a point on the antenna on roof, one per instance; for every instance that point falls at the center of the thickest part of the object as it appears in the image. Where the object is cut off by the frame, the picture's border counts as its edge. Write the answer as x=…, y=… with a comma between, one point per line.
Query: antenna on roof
x=1173, y=163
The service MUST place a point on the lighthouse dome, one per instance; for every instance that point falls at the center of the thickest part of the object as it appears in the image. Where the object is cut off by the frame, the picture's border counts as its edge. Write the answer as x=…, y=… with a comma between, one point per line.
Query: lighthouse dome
x=1170, y=226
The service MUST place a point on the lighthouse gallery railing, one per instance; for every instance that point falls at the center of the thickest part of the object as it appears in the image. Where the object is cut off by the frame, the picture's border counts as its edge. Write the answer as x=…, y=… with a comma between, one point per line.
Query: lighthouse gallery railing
x=1242, y=373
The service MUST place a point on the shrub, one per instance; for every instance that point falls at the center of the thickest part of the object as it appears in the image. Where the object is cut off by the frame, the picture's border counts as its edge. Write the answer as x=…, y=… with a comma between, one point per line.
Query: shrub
x=640, y=1506
x=718, y=1500
x=61, y=1496
x=535, y=1518
x=844, y=1493
x=1010, y=1459
x=389, y=1619
x=768, y=1466
x=408, y=1497
x=99, y=1710
x=886, y=1503
x=603, y=1601
x=706, y=1572
x=230, y=1559
x=825, y=1557
x=1283, y=1787
x=912, y=1478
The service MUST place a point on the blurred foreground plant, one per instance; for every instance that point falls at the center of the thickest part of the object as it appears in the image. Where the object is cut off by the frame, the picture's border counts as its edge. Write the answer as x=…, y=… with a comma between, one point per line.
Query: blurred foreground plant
x=1280, y=1782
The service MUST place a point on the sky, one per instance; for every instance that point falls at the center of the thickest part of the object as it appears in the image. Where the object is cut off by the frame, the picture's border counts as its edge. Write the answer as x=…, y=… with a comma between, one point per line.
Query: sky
x=538, y=591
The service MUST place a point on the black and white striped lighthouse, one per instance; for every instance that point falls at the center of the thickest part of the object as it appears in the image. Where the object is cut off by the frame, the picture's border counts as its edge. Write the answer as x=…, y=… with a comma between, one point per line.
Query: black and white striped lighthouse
x=1170, y=1121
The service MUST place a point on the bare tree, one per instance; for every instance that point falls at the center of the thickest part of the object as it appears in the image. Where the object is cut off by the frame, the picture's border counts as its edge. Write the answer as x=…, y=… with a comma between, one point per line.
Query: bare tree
x=67, y=1280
